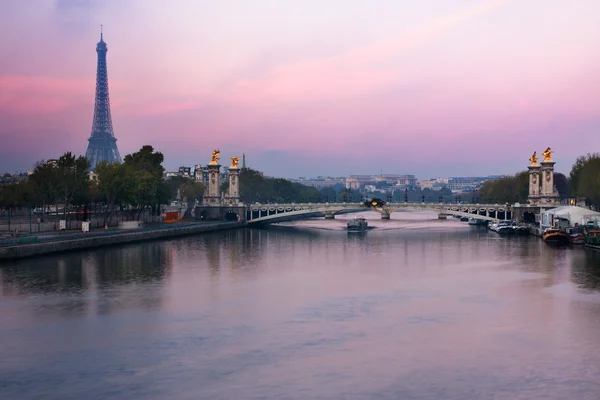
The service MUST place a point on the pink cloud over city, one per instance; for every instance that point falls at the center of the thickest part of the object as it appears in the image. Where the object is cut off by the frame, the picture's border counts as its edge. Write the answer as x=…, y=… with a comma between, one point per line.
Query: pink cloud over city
x=306, y=88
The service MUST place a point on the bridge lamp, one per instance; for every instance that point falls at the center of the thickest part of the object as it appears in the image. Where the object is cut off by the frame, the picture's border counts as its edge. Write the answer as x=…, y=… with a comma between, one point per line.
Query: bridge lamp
x=374, y=203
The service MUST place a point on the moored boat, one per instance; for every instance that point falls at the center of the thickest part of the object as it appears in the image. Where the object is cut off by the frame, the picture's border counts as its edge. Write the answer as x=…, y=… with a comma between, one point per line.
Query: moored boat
x=555, y=236
x=358, y=224
x=592, y=238
x=521, y=230
x=476, y=221
x=505, y=229
x=576, y=235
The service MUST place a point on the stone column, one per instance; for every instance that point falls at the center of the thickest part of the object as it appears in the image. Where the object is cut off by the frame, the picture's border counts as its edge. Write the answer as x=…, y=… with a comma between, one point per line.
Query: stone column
x=214, y=185
x=234, y=185
x=534, y=184
x=547, y=178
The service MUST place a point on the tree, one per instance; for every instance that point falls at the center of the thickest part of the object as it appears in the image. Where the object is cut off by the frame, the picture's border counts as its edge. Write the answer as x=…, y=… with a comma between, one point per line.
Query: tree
x=506, y=189
x=44, y=180
x=256, y=188
x=562, y=185
x=191, y=191
x=582, y=176
x=589, y=182
x=142, y=180
x=328, y=193
x=576, y=170
x=110, y=186
x=72, y=173
x=146, y=159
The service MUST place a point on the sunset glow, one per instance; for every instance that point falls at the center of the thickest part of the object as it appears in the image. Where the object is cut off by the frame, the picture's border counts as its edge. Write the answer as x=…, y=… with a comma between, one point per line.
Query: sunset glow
x=305, y=88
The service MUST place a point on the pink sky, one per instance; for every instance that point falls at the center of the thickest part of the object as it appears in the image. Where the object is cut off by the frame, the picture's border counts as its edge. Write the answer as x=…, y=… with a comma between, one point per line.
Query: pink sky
x=306, y=88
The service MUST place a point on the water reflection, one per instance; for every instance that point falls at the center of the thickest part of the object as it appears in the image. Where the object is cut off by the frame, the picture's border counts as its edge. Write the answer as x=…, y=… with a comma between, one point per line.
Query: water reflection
x=439, y=310
x=585, y=269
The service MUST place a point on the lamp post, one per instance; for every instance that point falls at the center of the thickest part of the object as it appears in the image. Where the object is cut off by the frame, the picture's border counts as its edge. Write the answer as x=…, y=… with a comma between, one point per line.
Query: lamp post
x=406, y=195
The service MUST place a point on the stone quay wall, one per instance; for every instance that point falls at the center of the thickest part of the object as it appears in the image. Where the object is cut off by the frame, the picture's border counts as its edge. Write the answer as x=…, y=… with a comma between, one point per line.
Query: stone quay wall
x=88, y=241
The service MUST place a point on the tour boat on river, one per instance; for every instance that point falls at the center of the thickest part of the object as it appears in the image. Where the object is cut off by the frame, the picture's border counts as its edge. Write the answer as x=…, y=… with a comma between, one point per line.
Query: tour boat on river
x=358, y=224
x=555, y=237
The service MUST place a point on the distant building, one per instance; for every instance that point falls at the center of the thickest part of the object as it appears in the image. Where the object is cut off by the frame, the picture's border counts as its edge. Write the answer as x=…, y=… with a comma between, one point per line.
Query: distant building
x=358, y=181
x=468, y=183
x=321, y=182
x=185, y=172
x=397, y=180
x=433, y=184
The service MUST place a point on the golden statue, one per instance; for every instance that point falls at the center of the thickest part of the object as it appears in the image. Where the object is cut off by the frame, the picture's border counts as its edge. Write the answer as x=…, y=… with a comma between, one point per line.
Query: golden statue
x=548, y=154
x=235, y=161
x=533, y=160
x=214, y=157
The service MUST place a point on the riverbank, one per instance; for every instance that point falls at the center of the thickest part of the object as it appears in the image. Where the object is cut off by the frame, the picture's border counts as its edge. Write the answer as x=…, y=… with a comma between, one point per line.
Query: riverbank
x=56, y=244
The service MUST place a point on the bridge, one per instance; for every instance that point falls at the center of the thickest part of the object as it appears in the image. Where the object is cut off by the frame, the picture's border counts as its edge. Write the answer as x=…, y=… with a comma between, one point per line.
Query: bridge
x=274, y=213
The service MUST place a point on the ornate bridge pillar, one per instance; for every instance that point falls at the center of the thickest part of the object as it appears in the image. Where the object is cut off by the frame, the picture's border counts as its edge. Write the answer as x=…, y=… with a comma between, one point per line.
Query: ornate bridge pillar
x=534, y=180
x=213, y=197
x=234, y=181
x=548, y=195
x=385, y=214
x=330, y=215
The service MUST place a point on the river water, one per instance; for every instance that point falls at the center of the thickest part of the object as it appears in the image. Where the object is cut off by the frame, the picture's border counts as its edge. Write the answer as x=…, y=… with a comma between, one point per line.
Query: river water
x=416, y=308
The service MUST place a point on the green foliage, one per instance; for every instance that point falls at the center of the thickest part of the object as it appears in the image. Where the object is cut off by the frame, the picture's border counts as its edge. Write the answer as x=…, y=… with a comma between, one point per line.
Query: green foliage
x=192, y=190
x=256, y=188
x=328, y=193
x=506, y=189
x=576, y=171
x=146, y=159
x=72, y=179
x=586, y=177
x=141, y=176
x=561, y=182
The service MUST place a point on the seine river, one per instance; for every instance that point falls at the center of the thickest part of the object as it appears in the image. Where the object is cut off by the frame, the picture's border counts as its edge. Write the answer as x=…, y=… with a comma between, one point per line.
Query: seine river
x=415, y=309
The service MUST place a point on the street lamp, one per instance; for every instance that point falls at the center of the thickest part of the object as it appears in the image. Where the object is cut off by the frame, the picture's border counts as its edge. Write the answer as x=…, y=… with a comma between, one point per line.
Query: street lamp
x=406, y=195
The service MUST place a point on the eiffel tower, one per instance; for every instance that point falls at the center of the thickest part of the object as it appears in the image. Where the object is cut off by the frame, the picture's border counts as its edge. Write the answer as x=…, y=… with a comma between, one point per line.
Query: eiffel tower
x=102, y=144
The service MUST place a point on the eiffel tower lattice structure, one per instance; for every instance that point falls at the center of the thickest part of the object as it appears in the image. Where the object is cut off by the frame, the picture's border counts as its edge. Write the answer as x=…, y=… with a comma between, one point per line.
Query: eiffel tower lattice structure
x=102, y=144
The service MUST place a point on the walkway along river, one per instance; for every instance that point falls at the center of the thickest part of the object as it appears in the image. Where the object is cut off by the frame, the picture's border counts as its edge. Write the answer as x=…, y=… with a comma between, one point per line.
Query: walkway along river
x=60, y=242
x=410, y=310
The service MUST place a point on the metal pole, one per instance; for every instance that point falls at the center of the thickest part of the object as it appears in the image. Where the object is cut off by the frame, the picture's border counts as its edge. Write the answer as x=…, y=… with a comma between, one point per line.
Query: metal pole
x=30, y=220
